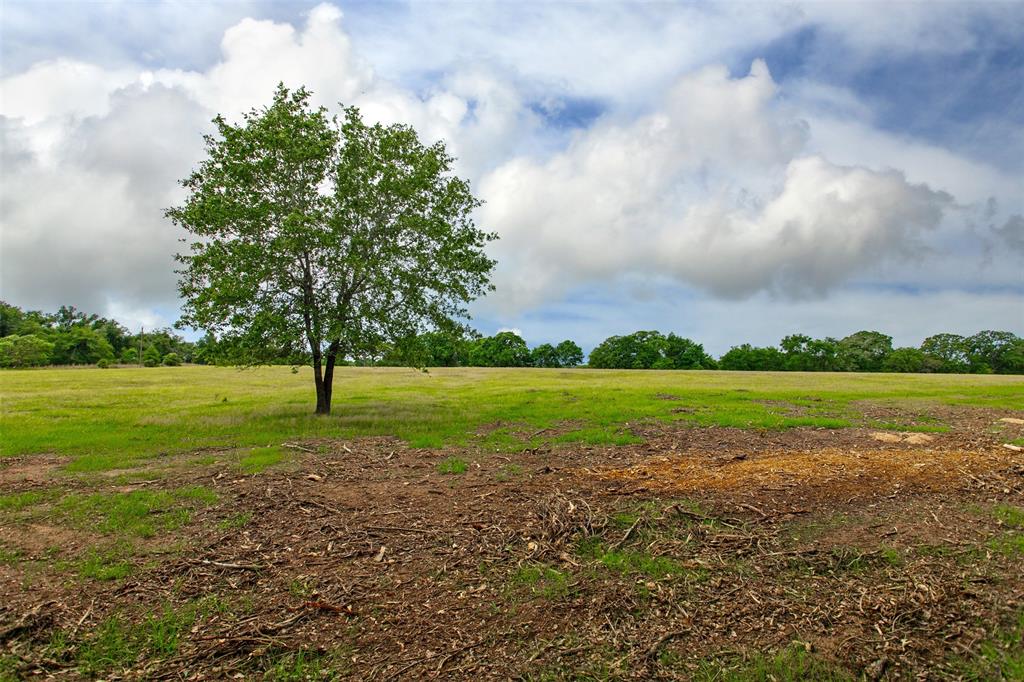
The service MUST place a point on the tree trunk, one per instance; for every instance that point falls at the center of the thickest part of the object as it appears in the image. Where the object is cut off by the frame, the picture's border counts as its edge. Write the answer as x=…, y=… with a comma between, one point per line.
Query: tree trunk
x=328, y=382
x=323, y=396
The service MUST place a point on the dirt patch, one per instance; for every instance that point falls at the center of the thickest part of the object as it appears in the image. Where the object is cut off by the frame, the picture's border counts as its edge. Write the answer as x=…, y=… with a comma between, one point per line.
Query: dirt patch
x=21, y=472
x=635, y=562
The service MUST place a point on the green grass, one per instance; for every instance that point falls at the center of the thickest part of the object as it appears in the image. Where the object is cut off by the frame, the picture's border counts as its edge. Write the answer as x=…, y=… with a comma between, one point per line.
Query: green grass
x=793, y=664
x=631, y=562
x=109, y=420
x=259, y=459
x=452, y=465
x=16, y=502
x=140, y=513
x=117, y=643
x=540, y=581
x=1000, y=657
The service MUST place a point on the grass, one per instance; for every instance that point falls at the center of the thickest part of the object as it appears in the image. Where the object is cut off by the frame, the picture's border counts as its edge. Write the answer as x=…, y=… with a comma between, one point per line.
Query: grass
x=1001, y=657
x=117, y=643
x=140, y=513
x=259, y=459
x=793, y=664
x=110, y=420
x=452, y=465
x=541, y=581
x=630, y=562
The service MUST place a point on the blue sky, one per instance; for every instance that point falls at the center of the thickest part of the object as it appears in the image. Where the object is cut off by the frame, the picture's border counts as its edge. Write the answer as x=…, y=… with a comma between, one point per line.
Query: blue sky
x=730, y=172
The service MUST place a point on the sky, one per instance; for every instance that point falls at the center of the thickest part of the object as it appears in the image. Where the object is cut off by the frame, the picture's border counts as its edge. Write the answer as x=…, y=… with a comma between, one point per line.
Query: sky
x=730, y=172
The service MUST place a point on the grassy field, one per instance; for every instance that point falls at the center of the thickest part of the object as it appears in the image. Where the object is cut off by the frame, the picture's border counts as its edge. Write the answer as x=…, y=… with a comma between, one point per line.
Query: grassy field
x=106, y=419
x=201, y=522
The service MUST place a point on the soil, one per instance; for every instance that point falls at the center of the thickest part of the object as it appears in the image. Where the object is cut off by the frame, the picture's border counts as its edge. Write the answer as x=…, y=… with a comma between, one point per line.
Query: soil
x=879, y=556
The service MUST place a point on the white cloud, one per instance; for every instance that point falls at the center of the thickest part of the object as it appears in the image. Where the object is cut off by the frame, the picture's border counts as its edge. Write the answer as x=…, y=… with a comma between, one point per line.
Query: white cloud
x=710, y=189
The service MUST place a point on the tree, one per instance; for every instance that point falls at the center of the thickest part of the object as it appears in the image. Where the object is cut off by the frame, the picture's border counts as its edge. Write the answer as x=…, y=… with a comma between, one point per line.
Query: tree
x=751, y=358
x=79, y=345
x=569, y=354
x=864, y=351
x=338, y=236
x=151, y=357
x=682, y=353
x=985, y=350
x=950, y=349
x=24, y=351
x=504, y=349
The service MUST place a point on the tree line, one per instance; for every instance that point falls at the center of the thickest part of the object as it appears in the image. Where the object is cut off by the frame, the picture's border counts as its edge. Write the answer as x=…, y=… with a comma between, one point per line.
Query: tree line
x=71, y=337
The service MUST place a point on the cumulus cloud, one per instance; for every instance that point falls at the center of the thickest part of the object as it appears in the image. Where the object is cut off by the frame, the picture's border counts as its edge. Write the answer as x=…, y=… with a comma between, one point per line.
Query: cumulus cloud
x=711, y=189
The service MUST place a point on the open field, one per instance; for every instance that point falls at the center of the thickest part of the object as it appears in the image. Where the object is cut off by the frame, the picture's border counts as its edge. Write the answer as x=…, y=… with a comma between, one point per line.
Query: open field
x=198, y=523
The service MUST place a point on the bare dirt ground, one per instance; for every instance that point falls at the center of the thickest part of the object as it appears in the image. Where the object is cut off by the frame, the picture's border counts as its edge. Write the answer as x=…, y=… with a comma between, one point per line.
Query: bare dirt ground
x=883, y=555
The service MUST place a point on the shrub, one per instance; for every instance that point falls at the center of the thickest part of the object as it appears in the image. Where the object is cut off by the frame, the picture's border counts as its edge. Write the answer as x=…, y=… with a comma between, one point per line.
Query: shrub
x=172, y=360
x=103, y=363
x=151, y=357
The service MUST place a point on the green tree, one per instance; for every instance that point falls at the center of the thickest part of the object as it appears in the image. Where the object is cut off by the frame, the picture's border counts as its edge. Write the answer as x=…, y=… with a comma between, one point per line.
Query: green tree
x=24, y=351
x=950, y=349
x=751, y=358
x=864, y=351
x=639, y=350
x=682, y=353
x=569, y=354
x=335, y=235
x=80, y=345
x=985, y=350
x=10, y=319
x=910, y=360
x=504, y=349
x=545, y=355
x=151, y=357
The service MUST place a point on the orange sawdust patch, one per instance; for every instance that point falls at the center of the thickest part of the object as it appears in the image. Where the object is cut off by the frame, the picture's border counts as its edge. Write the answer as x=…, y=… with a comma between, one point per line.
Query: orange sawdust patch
x=833, y=467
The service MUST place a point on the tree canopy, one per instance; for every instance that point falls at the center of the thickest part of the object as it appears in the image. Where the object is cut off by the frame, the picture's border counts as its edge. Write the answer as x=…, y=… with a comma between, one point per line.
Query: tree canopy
x=327, y=235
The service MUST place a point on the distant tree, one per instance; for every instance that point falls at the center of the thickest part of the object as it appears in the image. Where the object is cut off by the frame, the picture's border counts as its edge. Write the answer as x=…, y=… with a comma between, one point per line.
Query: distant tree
x=908, y=360
x=950, y=349
x=10, y=319
x=864, y=351
x=1011, y=358
x=545, y=355
x=339, y=235
x=639, y=350
x=750, y=358
x=680, y=353
x=504, y=349
x=80, y=345
x=24, y=351
x=130, y=356
x=985, y=350
x=171, y=360
x=569, y=354
x=151, y=357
